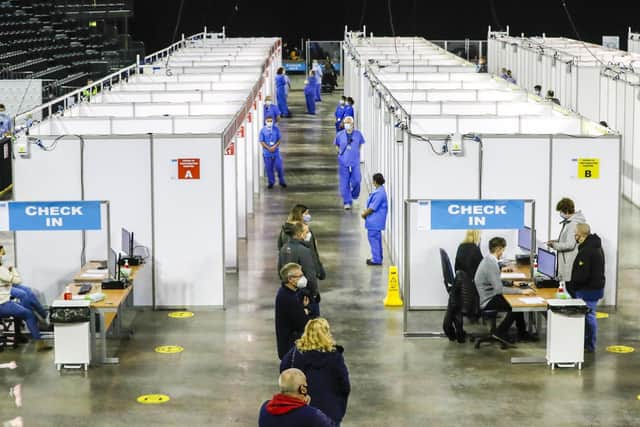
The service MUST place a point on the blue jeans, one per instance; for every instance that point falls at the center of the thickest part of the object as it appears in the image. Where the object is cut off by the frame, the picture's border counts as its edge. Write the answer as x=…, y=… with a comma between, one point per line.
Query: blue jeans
x=28, y=299
x=591, y=324
x=16, y=310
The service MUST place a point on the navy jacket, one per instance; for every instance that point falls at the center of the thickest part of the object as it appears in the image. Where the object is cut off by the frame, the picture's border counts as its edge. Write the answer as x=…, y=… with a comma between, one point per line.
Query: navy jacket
x=327, y=377
x=290, y=319
x=588, y=268
x=468, y=258
x=305, y=416
x=297, y=251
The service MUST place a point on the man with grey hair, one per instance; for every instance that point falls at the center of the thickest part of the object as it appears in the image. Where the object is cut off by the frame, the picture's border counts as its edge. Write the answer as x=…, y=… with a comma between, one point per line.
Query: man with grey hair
x=291, y=314
x=348, y=145
x=290, y=407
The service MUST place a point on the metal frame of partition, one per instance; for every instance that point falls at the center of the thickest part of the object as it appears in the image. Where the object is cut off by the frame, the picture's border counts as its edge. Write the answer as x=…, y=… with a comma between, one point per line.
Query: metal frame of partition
x=407, y=269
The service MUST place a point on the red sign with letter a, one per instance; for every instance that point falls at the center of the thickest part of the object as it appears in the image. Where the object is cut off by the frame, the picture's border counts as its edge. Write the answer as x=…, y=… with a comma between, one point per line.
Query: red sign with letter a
x=188, y=168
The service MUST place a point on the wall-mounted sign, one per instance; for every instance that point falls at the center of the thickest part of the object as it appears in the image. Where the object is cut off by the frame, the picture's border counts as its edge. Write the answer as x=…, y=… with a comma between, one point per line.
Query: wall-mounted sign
x=185, y=169
x=37, y=216
x=477, y=214
x=588, y=168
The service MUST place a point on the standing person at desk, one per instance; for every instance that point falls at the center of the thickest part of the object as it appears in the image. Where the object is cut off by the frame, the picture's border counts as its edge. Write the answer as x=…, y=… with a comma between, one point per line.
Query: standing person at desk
x=348, y=146
x=291, y=313
x=375, y=218
x=566, y=245
x=490, y=290
x=587, y=279
x=468, y=256
x=270, y=141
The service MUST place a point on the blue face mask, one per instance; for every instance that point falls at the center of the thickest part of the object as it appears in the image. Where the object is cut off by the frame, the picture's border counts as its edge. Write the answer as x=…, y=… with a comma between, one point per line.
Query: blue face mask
x=306, y=218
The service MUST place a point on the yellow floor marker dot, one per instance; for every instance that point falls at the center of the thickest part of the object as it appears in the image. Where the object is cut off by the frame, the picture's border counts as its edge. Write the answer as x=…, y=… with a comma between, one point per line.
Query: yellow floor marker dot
x=181, y=314
x=169, y=349
x=153, y=399
x=601, y=315
x=620, y=349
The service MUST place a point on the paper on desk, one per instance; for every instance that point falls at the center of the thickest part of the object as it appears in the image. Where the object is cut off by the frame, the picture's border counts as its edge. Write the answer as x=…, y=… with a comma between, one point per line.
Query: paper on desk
x=92, y=275
x=95, y=271
x=532, y=300
x=507, y=276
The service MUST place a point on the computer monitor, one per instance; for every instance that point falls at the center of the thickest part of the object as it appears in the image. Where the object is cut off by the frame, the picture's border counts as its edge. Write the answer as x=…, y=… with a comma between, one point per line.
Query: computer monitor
x=125, y=245
x=113, y=264
x=524, y=238
x=547, y=263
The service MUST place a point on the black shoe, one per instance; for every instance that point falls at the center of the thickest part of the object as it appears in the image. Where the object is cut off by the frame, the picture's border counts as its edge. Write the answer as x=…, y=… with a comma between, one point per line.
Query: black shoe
x=270, y=186
x=46, y=327
x=527, y=337
x=370, y=262
x=283, y=185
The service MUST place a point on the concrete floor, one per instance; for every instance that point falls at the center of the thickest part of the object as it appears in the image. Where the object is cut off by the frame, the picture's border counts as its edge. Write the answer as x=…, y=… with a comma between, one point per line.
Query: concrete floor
x=229, y=366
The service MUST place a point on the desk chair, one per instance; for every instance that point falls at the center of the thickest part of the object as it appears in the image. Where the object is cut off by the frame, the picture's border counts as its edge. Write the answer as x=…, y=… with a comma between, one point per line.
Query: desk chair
x=8, y=333
x=471, y=309
x=447, y=270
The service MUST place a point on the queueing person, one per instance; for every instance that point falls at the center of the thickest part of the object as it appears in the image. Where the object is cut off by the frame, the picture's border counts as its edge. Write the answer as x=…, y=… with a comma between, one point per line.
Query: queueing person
x=292, y=312
x=317, y=68
x=310, y=93
x=296, y=250
x=375, y=218
x=282, y=92
x=270, y=141
x=587, y=279
x=317, y=355
x=339, y=114
x=271, y=110
x=566, y=245
x=291, y=407
x=300, y=214
x=348, y=146
x=349, y=111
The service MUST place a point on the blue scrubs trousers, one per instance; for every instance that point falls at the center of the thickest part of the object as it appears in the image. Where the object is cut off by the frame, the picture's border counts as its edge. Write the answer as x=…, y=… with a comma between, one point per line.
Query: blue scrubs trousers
x=272, y=165
x=281, y=100
x=349, y=179
x=591, y=324
x=11, y=308
x=309, y=97
x=375, y=241
x=28, y=299
x=318, y=92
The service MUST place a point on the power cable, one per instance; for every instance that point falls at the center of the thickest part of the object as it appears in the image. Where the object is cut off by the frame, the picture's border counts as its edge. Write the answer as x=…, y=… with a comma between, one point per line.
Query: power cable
x=575, y=30
x=363, y=13
x=494, y=15
x=393, y=30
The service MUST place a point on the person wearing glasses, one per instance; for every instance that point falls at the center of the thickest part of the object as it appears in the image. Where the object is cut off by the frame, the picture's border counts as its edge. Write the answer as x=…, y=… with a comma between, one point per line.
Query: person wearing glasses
x=292, y=312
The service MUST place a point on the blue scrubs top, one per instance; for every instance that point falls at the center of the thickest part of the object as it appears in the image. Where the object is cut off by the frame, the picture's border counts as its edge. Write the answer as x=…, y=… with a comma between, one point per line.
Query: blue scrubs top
x=281, y=81
x=270, y=137
x=349, y=147
x=348, y=111
x=339, y=114
x=271, y=111
x=377, y=202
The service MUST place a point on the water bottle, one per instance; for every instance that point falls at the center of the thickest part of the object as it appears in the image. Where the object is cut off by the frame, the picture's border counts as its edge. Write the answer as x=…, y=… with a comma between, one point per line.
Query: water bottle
x=561, y=293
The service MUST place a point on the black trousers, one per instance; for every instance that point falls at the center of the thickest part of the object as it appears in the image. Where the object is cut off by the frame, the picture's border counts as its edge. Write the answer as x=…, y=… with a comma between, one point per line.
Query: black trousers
x=500, y=304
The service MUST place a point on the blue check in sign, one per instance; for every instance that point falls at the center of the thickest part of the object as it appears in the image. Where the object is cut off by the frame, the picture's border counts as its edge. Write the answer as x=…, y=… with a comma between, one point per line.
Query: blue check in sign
x=40, y=216
x=477, y=214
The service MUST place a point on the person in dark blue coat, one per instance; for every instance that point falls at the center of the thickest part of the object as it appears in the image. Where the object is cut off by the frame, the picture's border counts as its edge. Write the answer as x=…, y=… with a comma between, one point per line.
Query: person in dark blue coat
x=375, y=218
x=310, y=93
x=339, y=114
x=290, y=407
x=291, y=314
x=317, y=355
x=282, y=92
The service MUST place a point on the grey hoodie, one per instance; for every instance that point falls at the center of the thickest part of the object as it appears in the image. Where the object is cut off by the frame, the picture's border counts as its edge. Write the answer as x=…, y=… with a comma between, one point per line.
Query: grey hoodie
x=566, y=245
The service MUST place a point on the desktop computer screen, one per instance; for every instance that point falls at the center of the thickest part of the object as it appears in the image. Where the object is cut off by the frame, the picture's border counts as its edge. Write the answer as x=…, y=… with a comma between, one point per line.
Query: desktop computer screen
x=126, y=242
x=113, y=264
x=547, y=263
x=524, y=238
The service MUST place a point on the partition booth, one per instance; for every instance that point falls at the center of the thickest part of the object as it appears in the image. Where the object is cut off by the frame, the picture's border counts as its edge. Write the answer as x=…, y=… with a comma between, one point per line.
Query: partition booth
x=602, y=89
x=491, y=142
x=633, y=42
x=177, y=158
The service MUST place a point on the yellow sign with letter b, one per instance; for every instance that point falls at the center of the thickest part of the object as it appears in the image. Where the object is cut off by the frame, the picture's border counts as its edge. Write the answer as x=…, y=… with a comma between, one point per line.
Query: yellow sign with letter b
x=588, y=168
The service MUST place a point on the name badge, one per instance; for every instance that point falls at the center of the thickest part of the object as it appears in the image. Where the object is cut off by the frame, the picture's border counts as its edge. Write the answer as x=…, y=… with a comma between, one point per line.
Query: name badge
x=349, y=147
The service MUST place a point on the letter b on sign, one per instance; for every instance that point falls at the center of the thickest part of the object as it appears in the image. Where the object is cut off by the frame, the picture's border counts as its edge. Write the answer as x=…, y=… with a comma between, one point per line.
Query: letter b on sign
x=588, y=168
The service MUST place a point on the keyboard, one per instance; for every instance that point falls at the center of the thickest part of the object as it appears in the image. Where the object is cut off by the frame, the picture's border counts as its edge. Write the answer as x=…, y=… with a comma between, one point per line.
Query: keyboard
x=85, y=289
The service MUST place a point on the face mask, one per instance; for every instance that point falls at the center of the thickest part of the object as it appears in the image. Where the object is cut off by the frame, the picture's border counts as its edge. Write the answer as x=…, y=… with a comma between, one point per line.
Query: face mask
x=267, y=103
x=306, y=218
x=3, y=259
x=348, y=126
x=307, y=238
x=302, y=283
x=342, y=102
x=564, y=216
x=269, y=125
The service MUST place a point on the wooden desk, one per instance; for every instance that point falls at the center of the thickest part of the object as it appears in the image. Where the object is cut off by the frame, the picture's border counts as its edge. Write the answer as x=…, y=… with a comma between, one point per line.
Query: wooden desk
x=519, y=306
x=80, y=277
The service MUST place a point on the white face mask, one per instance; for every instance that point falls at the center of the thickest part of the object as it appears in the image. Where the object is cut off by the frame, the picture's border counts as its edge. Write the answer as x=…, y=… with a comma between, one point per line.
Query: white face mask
x=307, y=238
x=269, y=125
x=348, y=126
x=267, y=103
x=306, y=218
x=302, y=283
x=342, y=102
x=4, y=259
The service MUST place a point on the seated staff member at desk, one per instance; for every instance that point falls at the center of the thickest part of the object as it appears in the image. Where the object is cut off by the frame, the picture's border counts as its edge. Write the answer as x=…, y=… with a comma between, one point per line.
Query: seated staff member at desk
x=490, y=290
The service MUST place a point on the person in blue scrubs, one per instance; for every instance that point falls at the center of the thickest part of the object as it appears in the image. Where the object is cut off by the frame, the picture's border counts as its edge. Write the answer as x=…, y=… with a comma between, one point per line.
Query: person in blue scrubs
x=271, y=110
x=375, y=218
x=317, y=68
x=282, y=92
x=310, y=93
x=270, y=141
x=339, y=114
x=348, y=144
x=348, y=108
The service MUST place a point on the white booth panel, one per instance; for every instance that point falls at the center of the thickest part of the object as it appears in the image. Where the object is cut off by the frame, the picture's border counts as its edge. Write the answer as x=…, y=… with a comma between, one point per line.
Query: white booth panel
x=488, y=124
x=500, y=95
x=188, y=221
x=519, y=108
x=178, y=96
x=138, y=87
x=237, y=78
x=438, y=85
x=95, y=110
x=437, y=125
x=114, y=97
x=201, y=124
x=80, y=125
x=146, y=110
x=422, y=108
x=229, y=107
x=468, y=108
x=550, y=124
x=247, y=86
x=467, y=95
x=132, y=126
x=407, y=96
x=184, y=86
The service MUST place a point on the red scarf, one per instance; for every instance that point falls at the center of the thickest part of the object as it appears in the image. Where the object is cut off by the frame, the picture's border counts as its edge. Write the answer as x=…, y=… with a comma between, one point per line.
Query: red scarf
x=283, y=404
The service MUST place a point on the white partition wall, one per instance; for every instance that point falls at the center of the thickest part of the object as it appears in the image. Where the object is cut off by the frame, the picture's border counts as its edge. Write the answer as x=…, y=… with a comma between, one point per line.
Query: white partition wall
x=633, y=42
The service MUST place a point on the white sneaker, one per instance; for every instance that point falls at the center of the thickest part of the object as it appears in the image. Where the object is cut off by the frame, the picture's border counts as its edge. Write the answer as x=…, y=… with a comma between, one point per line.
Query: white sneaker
x=347, y=207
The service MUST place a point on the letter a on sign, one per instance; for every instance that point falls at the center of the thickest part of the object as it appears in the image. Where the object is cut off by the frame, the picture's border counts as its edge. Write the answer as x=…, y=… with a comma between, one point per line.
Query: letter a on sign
x=188, y=168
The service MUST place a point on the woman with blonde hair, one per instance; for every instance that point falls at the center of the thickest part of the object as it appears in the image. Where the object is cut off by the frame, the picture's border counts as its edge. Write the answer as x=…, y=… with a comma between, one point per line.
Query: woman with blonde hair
x=317, y=355
x=468, y=256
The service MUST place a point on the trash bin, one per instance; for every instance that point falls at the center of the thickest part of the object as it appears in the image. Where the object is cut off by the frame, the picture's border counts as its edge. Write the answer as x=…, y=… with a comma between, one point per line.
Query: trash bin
x=71, y=333
x=565, y=332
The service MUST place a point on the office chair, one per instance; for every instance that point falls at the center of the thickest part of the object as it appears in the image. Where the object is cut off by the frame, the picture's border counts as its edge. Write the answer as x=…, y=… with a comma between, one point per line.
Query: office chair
x=447, y=270
x=471, y=309
x=8, y=332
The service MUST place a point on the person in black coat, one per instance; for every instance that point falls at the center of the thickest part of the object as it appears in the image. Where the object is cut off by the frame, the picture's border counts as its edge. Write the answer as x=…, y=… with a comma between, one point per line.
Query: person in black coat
x=587, y=279
x=317, y=355
x=468, y=256
x=292, y=314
